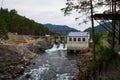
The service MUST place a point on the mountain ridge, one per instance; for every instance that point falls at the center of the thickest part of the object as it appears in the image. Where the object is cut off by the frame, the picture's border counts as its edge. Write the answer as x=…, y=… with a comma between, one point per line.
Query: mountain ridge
x=102, y=28
x=58, y=28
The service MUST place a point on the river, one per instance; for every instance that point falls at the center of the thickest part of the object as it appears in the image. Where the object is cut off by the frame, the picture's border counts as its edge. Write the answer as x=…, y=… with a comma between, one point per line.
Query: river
x=57, y=65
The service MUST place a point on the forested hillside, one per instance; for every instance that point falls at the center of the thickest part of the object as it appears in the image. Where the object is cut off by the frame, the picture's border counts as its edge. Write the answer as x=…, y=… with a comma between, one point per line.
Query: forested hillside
x=59, y=28
x=10, y=21
x=104, y=28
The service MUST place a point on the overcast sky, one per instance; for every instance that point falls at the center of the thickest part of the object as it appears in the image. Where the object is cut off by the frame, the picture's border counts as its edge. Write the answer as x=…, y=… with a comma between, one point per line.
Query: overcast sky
x=44, y=11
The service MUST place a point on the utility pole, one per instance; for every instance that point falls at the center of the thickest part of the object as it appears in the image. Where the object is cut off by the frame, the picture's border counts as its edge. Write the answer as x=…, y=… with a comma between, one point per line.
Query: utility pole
x=92, y=24
x=119, y=32
x=93, y=37
x=113, y=22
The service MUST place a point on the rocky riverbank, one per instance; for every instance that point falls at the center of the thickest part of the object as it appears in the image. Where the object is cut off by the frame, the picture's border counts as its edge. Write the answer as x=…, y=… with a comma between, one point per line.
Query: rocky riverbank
x=17, y=53
x=99, y=70
x=83, y=65
x=12, y=64
x=13, y=60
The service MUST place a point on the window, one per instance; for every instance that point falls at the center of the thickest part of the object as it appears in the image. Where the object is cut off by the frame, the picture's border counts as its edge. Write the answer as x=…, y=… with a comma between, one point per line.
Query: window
x=74, y=39
x=79, y=39
x=70, y=39
x=83, y=39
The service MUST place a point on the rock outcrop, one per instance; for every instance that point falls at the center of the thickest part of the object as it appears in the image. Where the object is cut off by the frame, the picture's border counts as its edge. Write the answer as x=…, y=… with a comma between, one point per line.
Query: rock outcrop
x=15, y=55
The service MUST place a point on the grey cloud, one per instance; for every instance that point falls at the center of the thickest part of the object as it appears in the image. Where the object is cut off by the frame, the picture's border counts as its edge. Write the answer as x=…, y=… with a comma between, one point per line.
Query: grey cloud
x=42, y=11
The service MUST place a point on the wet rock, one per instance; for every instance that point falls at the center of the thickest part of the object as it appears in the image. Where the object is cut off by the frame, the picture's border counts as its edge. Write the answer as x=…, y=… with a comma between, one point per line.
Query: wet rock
x=12, y=64
x=28, y=63
x=36, y=49
x=33, y=63
x=75, y=78
x=28, y=75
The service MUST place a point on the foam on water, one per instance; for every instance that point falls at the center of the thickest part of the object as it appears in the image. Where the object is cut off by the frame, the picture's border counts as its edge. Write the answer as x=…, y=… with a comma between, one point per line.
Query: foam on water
x=52, y=65
x=64, y=76
x=56, y=48
x=35, y=74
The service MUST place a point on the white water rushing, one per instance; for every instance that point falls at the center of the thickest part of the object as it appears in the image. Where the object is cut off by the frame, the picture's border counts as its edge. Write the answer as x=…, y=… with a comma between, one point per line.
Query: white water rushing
x=57, y=47
x=52, y=65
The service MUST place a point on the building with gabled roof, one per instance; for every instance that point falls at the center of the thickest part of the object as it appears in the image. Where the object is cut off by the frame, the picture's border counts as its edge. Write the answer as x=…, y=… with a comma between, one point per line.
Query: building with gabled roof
x=78, y=40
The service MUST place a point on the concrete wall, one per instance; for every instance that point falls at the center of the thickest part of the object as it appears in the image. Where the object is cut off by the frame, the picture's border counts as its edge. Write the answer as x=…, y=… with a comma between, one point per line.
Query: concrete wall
x=78, y=45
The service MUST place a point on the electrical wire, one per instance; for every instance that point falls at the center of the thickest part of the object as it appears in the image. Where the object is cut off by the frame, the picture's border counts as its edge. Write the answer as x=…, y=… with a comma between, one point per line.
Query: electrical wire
x=106, y=28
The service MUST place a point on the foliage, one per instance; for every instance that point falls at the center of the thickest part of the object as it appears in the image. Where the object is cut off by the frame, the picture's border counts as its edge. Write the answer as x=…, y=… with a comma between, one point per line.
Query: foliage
x=83, y=6
x=3, y=25
x=10, y=21
x=104, y=55
x=109, y=36
x=98, y=37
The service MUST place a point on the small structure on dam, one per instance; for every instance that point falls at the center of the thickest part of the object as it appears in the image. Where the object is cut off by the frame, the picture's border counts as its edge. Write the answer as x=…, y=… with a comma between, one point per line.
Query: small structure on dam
x=78, y=41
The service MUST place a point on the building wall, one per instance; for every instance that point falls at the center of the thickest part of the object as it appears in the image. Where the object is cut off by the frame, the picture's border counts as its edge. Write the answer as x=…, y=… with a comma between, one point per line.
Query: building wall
x=78, y=44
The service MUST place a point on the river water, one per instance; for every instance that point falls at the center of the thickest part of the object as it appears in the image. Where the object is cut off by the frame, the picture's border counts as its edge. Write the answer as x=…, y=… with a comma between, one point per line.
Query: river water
x=57, y=65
